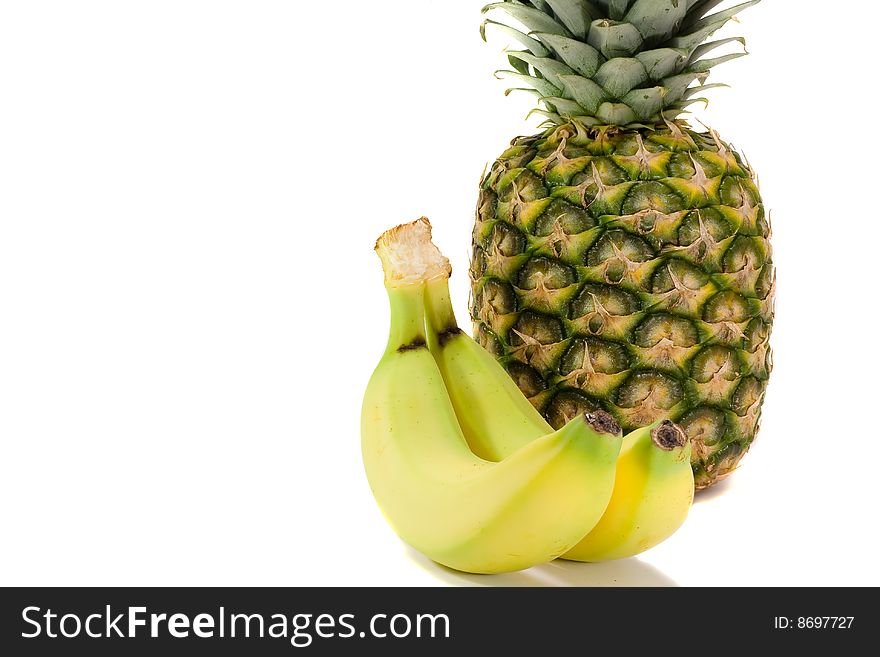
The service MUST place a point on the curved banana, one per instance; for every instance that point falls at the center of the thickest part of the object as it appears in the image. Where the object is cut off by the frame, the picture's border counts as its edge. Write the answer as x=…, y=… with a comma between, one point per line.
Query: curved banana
x=652, y=495
x=654, y=487
x=456, y=508
x=495, y=416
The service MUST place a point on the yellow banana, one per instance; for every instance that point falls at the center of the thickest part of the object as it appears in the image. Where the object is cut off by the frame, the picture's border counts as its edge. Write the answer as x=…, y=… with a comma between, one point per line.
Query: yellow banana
x=495, y=416
x=456, y=508
x=654, y=487
x=652, y=495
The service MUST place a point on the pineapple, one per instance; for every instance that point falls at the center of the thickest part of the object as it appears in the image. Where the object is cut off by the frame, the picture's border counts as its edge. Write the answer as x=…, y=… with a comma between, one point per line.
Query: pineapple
x=621, y=259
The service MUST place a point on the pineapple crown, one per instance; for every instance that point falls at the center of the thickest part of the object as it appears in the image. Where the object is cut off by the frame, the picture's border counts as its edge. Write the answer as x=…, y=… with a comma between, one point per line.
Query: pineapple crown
x=614, y=62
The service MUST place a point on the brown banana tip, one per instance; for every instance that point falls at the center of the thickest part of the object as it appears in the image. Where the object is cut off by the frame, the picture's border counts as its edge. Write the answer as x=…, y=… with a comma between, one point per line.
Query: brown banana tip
x=668, y=436
x=603, y=422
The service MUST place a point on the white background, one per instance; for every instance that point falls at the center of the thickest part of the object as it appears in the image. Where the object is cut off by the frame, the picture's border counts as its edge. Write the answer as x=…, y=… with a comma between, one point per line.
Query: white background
x=190, y=307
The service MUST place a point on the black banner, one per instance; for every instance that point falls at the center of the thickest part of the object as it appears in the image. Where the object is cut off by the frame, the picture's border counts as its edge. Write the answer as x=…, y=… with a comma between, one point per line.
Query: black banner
x=339, y=621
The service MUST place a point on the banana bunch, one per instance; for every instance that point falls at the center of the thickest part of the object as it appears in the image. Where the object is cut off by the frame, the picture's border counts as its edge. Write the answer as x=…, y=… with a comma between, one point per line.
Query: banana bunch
x=469, y=473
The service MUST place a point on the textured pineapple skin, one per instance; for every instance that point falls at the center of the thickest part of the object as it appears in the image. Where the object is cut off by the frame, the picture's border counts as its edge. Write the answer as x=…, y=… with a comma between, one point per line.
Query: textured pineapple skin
x=630, y=270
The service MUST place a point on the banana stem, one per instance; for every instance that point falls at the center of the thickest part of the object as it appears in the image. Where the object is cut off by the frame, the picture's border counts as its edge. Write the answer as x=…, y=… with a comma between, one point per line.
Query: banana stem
x=407, y=318
x=410, y=259
x=439, y=314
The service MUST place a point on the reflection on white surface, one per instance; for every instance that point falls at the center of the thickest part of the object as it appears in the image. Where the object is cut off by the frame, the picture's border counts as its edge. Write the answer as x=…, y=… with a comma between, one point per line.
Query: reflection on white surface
x=626, y=572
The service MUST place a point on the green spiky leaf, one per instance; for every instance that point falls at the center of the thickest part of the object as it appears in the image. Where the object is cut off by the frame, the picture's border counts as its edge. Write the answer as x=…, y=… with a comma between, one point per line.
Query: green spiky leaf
x=552, y=117
x=580, y=56
x=656, y=20
x=534, y=19
x=677, y=84
x=690, y=91
x=697, y=9
x=705, y=48
x=615, y=114
x=614, y=39
x=687, y=102
x=645, y=102
x=703, y=65
x=724, y=15
x=617, y=9
x=613, y=9
x=587, y=93
x=518, y=64
x=533, y=45
x=542, y=86
x=618, y=76
x=662, y=62
x=549, y=68
x=564, y=106
x=574, y=15
x=705, y=27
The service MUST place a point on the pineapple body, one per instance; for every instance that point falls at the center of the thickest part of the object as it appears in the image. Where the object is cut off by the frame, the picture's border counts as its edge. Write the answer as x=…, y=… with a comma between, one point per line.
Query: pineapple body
x=629, y=269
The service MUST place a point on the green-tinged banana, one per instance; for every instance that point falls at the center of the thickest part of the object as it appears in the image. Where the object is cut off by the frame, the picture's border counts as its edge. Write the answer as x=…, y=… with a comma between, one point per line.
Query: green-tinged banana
x=654, y=487
x=652, y=495
x=456, y=508
x=495, y=416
